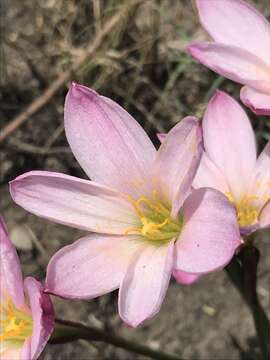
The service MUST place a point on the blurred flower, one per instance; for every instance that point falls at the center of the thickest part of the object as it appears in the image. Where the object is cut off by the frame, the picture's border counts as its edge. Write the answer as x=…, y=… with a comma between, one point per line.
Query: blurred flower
x=26, y=313
x=144, y=223
x=230, y=164
x=241, y=51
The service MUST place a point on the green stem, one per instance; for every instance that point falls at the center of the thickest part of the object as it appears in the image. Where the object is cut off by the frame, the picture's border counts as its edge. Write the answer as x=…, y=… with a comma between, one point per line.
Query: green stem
x=242, y=272
x=66, y=331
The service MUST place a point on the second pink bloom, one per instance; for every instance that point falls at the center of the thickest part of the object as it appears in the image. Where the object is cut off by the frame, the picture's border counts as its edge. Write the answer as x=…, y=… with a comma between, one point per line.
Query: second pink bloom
x=230, y=164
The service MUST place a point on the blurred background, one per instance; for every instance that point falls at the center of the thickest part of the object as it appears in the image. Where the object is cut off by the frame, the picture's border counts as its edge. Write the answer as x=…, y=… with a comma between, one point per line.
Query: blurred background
x=134, y=52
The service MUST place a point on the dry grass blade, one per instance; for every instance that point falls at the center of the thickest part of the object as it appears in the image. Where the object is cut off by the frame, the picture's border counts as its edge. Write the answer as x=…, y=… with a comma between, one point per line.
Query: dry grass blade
x=41, y=100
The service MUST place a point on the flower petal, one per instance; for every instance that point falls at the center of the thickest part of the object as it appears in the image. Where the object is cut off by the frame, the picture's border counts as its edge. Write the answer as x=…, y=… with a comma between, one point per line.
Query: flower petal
x=237, y=23
x=257, y=101
x=185, y=278
x=90, y=267
x=234, y=63
x=11, y=353
x=42, y=313
x=10, y=269
x=260, y=184
x=161, y=137
x=210, y=234
x=74, y=202
x=264, y=219
x=26, y=350
x=209, y=175
x=109, y=144
x=177, y=162
x=145, y=284
x=229, y=141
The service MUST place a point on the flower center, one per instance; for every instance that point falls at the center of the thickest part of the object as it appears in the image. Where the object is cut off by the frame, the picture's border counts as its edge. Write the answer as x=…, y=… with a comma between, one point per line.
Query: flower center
x=247, y=212
x=15, y=324
x=156, y=221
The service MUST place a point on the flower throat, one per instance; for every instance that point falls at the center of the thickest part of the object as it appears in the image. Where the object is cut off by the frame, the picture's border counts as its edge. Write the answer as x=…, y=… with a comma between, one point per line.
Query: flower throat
x=157, y=225
x=15, y=324
x=247, y=213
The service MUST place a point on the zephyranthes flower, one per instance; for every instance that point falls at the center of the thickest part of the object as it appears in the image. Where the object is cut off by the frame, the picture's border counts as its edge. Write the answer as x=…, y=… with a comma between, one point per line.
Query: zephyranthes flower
x=230, y=164
x=26, y=313
x=241, y=51
x=144, y=223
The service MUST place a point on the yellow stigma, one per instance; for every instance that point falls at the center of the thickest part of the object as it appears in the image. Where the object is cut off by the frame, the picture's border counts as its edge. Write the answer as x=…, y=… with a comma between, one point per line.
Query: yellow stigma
x=15, y=324
x=247, y=211
x=156, y=222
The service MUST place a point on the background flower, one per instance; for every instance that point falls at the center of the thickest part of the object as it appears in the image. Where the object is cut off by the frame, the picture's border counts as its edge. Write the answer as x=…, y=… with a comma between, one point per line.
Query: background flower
x=26, y=313
x=240, y=50
x=229, y=163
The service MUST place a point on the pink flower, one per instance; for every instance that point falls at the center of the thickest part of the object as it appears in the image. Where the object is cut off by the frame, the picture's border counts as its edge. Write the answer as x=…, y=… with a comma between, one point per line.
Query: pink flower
x=26, y=313
x=143, y=223
x=241, y=51
x=230, y=164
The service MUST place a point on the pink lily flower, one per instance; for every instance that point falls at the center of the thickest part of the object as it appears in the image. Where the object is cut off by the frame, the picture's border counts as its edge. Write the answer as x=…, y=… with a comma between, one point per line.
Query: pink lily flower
x=26, y=313
x=143, y=219
x=241, y=48
x=229, y=163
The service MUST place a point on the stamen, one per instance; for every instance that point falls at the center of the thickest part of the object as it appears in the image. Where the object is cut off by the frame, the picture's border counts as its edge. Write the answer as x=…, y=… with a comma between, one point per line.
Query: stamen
x=247, y=211
x=149, y=227
x=156, y=222
x=15, y=324
x=133, y=230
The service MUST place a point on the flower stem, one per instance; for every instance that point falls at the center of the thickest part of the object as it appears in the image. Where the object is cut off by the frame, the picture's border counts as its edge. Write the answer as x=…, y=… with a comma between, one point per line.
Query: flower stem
x=242, y=272
x=66, y=331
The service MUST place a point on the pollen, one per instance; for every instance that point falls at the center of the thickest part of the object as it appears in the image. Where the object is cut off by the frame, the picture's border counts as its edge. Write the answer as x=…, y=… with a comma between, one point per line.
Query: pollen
x=247, y=211
x=157, y=225
x=15, y=324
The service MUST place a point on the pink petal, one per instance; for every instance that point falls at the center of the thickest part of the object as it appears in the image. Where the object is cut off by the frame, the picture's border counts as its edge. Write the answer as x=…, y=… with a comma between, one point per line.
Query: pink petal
x=234, y=63
x=10, y=354
x=177, y=162
x=210, y=234
x=237, y=23
x=260, y=183
x=109, y=144
x=209, y=175
x=145, y=284
x=185, y=278
x=161, y=137
x=257, y=101
x=92, y=266
x=43, y=316
x=229, y=141
x=10, y=269
x=74, y=202
x=9, y=351
x=264, y=219
x=26, y=350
